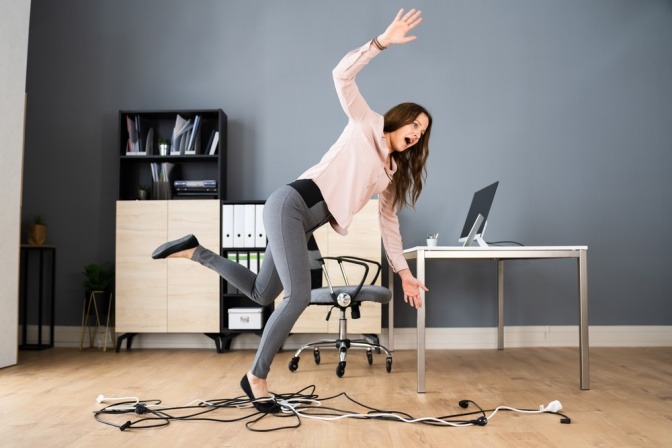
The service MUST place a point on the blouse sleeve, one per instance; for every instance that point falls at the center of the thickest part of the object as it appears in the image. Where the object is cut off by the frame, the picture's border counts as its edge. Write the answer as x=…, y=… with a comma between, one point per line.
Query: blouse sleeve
x=352, y=102
x=389, y=230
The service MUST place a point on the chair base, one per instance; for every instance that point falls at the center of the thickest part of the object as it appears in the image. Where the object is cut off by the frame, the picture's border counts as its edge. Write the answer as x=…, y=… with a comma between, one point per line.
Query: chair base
x=342, y=344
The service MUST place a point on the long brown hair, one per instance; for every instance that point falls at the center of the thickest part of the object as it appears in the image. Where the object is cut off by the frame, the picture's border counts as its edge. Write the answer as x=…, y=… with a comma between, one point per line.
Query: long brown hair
x=411, y=169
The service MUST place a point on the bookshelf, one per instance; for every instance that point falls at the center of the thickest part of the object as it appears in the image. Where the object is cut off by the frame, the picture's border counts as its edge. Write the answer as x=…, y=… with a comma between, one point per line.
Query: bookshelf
x=248, y=252
x=168, y=296
x=197, y=153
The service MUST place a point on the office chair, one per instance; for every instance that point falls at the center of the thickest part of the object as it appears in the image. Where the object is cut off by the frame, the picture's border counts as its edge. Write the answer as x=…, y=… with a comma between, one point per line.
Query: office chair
x=344, y=297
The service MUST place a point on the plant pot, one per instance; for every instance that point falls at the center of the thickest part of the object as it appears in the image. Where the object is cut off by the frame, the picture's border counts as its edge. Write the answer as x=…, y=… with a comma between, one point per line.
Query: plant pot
x=37, y=234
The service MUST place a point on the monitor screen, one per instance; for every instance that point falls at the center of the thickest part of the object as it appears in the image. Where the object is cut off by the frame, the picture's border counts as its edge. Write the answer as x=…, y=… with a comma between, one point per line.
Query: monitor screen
x=480, y=204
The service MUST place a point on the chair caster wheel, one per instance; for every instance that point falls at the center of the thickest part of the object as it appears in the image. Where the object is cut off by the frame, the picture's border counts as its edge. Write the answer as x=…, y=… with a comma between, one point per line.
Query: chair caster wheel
x=316, y=355
x=388, y=365
x=340, y=369
x=294, y=364
x=369, y=357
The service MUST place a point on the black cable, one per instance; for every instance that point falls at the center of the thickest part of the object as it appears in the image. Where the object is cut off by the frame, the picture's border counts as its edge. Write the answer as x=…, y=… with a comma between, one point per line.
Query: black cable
x=154, y=418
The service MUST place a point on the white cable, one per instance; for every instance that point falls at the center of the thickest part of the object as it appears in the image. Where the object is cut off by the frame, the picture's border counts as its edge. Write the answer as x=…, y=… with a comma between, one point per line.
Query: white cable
x=286, y=405
x=102, y=398
x=553, y=406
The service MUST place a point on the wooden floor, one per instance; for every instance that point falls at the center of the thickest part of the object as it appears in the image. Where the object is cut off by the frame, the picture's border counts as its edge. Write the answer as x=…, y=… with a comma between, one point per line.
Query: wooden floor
x=47, y=400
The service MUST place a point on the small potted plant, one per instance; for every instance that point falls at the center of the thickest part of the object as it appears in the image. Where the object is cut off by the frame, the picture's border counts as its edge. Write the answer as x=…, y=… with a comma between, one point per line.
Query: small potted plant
x=164, y=145
x=97, y=300
x=98, y=277
x=36, y=231
x=143, y=192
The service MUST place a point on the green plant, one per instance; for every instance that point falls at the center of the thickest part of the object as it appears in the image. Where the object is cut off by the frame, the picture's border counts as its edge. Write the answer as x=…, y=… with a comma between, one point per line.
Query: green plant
x=98, y=276
x=163, y=141
x=38, y=220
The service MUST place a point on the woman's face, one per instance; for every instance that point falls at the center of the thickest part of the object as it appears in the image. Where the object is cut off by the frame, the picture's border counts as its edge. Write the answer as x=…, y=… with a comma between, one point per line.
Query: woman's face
x=407, y=135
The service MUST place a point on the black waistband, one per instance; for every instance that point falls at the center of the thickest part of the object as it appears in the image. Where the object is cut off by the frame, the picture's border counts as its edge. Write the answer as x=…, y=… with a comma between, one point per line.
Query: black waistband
x=308, y=190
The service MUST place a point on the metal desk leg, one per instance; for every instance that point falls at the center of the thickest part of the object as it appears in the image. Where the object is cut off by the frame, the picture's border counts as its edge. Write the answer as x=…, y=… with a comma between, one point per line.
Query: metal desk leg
x=390, y=312
x=421, y=323
x=500, y=304
x=583, y=318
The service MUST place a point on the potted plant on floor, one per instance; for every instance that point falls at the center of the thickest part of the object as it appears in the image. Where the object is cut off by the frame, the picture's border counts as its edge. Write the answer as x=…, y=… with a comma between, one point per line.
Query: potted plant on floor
x=97, y=299
x=36, y=231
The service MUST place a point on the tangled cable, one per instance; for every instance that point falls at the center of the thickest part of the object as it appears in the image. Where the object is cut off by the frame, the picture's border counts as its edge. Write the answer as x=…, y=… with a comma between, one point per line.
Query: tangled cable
x=304, y=404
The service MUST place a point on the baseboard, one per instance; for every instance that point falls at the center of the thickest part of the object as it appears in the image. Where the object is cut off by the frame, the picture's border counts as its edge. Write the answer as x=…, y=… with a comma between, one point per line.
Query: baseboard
x=404, y=338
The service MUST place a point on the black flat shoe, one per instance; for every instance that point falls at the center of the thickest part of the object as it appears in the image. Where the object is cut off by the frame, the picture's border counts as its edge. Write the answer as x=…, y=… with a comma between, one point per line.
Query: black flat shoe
x=171, y=247
x=264, y=406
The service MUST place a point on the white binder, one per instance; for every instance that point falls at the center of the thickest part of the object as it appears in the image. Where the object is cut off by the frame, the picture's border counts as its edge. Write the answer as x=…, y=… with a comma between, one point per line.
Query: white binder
x=249, y=225
x=238, y=225
x=254, y=262
x=260, y=232
x=227, y=225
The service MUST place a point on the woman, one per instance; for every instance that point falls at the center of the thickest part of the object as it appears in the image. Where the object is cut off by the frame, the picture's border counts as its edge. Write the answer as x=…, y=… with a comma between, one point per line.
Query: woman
x=373, y=155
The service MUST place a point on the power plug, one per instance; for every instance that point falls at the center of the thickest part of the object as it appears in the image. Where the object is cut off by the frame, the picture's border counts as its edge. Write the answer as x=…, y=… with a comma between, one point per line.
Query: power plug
x=553, y=406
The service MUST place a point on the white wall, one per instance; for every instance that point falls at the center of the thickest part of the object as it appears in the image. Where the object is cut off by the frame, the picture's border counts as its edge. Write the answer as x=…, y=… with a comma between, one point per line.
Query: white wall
x=14, y=19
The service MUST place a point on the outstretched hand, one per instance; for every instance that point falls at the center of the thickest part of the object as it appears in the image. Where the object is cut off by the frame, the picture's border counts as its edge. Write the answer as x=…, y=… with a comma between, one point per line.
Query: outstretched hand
x=412, y=287
x=396, y=32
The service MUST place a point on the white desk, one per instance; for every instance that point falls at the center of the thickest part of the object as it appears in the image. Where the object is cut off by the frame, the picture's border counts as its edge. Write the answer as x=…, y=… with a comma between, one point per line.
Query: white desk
x=499, y=254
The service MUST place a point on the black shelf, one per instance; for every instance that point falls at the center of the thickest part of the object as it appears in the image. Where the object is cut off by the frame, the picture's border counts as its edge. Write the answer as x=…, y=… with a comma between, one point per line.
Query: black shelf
x=234, y=299
x=135, y=170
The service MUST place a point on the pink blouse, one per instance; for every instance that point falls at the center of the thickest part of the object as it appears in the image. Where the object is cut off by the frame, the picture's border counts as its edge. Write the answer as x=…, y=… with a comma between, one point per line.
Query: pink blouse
x=354, y=168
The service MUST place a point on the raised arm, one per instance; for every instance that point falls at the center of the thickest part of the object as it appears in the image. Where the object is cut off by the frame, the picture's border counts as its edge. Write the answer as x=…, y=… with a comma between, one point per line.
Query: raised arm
x=352, y=101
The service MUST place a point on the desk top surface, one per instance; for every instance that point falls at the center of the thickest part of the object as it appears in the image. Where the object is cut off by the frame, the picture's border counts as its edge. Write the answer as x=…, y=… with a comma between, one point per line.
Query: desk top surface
x=496, y=251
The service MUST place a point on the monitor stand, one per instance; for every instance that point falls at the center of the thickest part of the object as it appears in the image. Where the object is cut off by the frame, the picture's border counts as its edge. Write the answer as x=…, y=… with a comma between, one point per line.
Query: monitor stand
x=481, y=242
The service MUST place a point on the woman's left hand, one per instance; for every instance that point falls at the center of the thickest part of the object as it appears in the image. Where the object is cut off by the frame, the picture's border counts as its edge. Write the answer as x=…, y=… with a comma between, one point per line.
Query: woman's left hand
x=412, y=287
x=396, y=32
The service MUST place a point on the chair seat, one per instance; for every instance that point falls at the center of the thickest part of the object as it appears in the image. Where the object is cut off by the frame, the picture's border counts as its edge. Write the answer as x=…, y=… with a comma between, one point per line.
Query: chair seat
x=369, y=293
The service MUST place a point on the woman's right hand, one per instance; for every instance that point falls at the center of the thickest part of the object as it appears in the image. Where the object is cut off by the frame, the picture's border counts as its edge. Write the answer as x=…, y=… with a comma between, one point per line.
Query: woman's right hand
x=395, y=34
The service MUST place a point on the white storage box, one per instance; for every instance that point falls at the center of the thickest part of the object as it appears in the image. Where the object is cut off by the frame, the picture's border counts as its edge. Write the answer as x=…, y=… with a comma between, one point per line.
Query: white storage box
x=245, y=318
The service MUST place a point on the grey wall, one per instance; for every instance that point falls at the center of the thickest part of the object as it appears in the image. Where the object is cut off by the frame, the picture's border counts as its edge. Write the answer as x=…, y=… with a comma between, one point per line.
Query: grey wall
x=568, y=104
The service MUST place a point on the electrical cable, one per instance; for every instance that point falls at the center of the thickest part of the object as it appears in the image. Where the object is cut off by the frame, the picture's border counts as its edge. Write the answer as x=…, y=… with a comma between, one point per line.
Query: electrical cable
x=297, y=405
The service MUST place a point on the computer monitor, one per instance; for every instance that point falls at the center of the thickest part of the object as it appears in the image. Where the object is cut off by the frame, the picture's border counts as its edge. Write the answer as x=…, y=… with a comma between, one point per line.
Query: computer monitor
x=474, y=228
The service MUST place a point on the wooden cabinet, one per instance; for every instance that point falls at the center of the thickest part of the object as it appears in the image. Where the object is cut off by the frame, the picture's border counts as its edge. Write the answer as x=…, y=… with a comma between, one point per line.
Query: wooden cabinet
x=165, y=296
x=363, y=240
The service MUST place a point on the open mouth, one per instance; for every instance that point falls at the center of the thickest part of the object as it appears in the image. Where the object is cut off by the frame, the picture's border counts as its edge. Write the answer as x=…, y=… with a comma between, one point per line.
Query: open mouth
x=408, y=141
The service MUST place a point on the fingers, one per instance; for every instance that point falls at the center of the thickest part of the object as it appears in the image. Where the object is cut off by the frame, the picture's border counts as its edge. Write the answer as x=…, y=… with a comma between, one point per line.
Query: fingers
x=412, y=18
x=414, y=301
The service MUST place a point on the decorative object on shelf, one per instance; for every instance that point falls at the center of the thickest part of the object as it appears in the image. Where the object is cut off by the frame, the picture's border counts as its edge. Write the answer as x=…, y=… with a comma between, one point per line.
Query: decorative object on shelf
x=143, y=192
x=98, y=298
x=164, y=146
x=432, y=239
x=161, y=174
x=36, y=231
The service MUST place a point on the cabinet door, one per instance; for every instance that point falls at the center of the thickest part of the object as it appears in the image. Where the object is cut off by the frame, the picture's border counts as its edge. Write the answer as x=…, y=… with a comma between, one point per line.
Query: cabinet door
x=140, y=281
x=193, y=290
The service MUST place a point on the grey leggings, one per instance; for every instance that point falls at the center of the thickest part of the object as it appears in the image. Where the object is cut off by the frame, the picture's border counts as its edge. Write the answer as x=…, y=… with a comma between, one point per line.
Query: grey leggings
x=289, y=223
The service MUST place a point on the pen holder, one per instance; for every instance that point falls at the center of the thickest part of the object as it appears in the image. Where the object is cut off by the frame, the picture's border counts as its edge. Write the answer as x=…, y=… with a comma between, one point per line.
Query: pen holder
x=161, y=190
x=431, y=241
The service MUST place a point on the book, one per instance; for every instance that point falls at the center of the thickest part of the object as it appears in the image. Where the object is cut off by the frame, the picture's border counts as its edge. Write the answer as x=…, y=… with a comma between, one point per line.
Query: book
x=214, y=145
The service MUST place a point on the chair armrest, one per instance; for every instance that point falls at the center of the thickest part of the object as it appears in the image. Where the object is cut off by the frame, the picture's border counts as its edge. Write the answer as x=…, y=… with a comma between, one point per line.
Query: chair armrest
x=353, y=260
